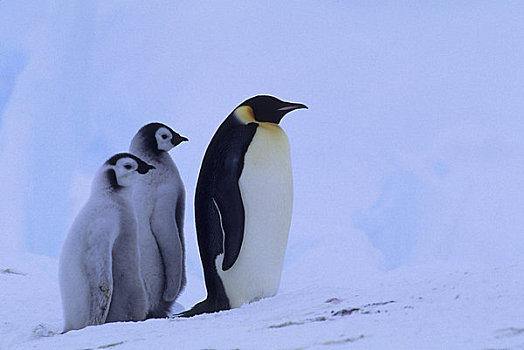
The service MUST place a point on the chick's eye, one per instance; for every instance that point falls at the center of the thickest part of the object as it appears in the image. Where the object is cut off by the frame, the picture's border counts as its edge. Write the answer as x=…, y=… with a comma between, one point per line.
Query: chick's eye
x=128, y=166
x=164, y=136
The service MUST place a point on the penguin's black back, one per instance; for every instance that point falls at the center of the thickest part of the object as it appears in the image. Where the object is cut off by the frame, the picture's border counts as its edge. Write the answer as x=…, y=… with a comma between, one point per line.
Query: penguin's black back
x=228, y=146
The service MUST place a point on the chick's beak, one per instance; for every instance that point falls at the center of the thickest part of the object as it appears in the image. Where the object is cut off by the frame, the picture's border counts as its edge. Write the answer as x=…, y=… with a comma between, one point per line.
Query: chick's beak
x=177, y=140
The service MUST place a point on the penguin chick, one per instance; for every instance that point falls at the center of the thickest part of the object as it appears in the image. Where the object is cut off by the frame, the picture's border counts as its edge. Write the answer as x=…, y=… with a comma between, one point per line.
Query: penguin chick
x=159, y=199
x=99, y=271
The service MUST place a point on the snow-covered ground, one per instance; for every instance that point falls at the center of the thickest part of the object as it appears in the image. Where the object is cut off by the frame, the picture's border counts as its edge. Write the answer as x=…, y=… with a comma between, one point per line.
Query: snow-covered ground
x=436, y=307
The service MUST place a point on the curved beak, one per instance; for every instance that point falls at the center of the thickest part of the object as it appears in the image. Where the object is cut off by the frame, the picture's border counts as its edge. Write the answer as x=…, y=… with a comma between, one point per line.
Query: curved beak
x=292, y=106
x=143, y=168
x=179, y=139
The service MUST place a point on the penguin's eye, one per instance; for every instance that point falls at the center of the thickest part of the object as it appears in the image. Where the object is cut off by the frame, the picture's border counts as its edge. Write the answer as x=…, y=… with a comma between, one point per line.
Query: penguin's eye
x=128, y=166
x=164, y=136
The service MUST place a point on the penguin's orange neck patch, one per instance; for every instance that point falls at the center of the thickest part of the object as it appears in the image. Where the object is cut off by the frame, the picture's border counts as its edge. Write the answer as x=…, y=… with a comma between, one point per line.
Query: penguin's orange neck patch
x=245, y=114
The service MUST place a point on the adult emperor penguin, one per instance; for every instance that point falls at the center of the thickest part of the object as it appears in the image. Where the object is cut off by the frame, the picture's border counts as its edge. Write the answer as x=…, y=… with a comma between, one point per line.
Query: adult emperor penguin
x=159, y=199
x=243, y=205
x=99, y=271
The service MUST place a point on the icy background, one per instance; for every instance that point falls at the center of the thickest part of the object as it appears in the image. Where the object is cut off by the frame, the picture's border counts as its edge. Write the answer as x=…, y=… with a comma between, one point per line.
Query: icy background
x=412, y=151
x=412, y=148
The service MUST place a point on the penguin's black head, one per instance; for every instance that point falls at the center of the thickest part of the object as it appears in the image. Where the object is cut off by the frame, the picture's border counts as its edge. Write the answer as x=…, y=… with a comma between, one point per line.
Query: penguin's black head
x=159, y=137
x=122, y=169
x=270, y=109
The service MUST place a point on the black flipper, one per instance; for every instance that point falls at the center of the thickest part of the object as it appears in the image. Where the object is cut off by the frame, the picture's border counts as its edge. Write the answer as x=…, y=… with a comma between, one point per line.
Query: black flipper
x=227, y=194
x=219, y=211
x=230, y=207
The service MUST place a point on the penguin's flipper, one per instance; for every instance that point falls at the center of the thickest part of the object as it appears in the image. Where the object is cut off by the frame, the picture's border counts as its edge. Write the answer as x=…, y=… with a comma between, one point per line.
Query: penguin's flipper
x=231, y=210
x=165, y=230
x=228, y=198
x=98, y=268
x=179, y=219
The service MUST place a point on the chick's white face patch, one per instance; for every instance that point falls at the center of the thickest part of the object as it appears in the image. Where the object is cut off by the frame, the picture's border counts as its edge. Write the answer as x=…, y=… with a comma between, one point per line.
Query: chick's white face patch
x=163, y=139
x=126, y=171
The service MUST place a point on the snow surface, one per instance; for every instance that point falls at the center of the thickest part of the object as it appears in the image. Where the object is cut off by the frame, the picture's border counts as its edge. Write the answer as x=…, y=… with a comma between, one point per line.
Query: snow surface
x=432, y=307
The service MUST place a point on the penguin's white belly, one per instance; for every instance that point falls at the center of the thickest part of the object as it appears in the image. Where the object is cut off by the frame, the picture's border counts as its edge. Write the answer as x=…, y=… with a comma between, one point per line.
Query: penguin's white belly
x=266, y=186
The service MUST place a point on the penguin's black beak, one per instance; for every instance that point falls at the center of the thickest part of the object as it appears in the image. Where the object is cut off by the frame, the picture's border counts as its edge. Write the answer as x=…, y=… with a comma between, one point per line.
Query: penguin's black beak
x=143, y=168
x=178, y=139
x=291, y=107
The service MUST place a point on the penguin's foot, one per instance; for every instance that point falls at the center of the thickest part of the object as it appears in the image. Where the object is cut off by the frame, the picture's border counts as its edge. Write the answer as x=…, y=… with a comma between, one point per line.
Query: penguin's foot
x=203, y=307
